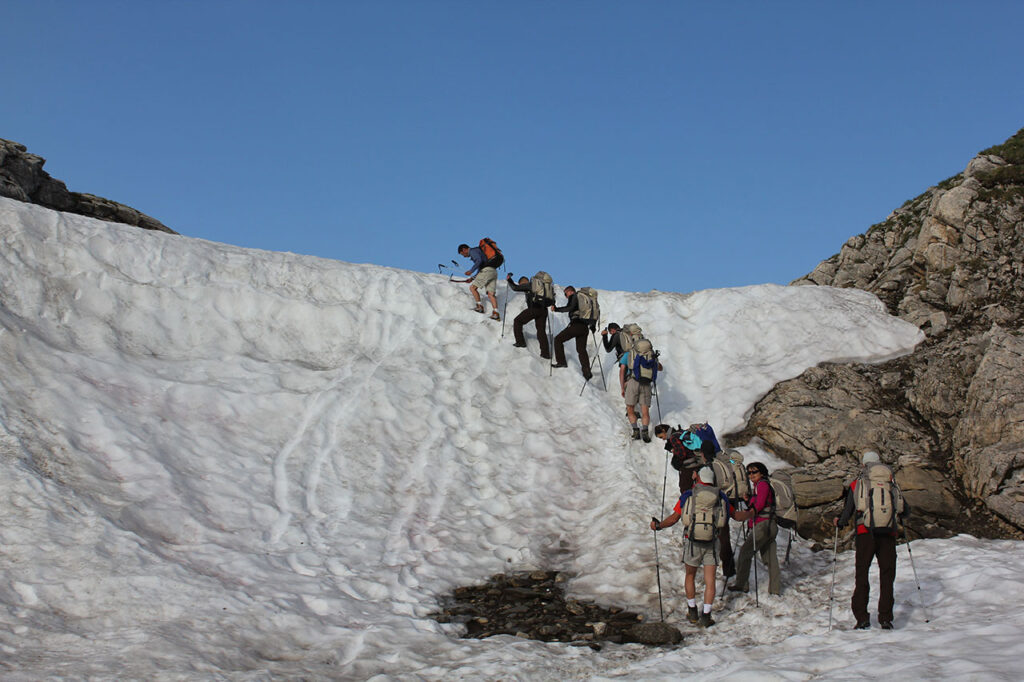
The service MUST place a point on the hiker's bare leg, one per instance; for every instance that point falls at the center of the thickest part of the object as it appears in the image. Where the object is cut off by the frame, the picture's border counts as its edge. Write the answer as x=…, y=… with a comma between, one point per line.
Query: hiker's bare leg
x=691, y=582
x=709, y=584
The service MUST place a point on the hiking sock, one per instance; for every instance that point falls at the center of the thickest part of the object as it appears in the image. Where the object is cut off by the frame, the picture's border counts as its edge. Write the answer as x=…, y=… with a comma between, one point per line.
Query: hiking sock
x=707, y=608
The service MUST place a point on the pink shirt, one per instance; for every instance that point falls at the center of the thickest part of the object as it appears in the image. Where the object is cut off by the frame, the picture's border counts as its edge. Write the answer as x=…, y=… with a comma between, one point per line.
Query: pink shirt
x=760, y=502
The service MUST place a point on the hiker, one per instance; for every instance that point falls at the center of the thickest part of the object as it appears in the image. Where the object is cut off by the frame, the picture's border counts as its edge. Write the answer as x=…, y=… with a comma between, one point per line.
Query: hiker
x=686, y=455
x=876, y=537
x=761, y=532
x=539, y=295
x=579, y=326
x=638, y=372
x=731, y=477
x=704, y=509
x=486, y=278
x=610, y=340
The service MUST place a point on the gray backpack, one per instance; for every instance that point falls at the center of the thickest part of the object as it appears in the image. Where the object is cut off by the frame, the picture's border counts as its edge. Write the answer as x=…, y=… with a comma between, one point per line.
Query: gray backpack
x=629, y=335
x=739, y=483
x=590, y=311
x=542, y=287
x=785, y=499
x=703, y=514
x=878, y=499
x=724, y=477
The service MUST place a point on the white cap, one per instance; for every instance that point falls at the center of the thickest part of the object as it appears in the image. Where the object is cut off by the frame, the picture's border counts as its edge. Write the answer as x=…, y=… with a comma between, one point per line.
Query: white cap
x=869, y=457
x=706, y=475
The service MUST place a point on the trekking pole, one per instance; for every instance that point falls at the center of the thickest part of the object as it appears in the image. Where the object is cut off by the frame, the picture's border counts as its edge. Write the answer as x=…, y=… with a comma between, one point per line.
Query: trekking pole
x=789, y=545
x=503, y=309
x=657, y=569
x=832, y=590
x=664, y=484
x=916, y=581
x=597, y=353
x=753, y=541
x=657, y=400
x=551, y=344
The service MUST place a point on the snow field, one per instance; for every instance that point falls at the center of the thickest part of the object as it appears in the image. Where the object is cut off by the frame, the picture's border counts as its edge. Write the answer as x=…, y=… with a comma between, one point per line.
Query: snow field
x=226, y=462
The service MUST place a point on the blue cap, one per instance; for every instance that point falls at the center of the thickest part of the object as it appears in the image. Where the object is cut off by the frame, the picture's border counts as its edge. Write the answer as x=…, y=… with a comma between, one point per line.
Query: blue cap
x=691, y=441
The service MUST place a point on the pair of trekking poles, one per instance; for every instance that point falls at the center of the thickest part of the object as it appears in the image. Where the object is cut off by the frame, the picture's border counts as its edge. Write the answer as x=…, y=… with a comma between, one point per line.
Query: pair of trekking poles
x=913, y=567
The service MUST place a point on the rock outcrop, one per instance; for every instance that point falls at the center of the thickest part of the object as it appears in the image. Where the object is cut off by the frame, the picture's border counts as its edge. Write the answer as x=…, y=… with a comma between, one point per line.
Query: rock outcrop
x=22, y=177
x=533, y=605
x=950, y=416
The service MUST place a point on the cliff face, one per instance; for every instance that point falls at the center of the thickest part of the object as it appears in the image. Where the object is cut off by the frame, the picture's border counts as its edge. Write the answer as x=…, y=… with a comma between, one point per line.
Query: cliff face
x=22, y=177
x=950, y=416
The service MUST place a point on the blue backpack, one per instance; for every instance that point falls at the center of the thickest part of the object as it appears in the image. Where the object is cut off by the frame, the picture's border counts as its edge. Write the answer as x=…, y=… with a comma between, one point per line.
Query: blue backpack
x=644, y=362
x=706, y=433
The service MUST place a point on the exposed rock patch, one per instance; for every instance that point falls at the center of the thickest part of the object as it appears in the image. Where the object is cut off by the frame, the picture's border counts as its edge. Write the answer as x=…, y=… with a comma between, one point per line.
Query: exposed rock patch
x=22, y=177
x=533, y=605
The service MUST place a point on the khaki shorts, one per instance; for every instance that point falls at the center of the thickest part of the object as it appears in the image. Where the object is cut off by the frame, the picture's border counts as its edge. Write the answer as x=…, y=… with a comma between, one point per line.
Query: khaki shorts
x=637, y=393
x=700, y=553
x=486, y=279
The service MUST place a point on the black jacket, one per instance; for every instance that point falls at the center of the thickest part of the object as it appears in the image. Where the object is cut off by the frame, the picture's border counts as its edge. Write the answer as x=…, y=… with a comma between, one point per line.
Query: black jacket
x=611, y=343
x=572, y=306
x=532, y=300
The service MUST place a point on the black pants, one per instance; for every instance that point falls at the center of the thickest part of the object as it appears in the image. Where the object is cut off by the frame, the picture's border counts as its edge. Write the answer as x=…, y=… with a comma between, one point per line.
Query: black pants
x=541, y=317
x=868, y=546
x=728, y=561
x=576, y=330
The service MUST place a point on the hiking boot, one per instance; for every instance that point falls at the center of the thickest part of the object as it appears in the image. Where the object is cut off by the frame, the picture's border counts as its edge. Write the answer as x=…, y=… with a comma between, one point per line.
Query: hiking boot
x=706, y=620
x=692, y=615
x=636, y=433
x=645, y=434
x=494, y=315
x=559, y=365
x=738, y=588
x=587, y=376
x=479, y=308
x=519, y=345
x=886, y=624
x=863, y=625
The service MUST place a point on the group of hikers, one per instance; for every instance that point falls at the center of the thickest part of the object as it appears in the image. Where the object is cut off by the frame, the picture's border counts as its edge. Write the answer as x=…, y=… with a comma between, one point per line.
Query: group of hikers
x=714, y=483
x=716, y=486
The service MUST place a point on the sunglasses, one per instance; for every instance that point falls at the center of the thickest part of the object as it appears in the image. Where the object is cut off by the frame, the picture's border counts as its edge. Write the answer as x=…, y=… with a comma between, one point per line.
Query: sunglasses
x=753, y=471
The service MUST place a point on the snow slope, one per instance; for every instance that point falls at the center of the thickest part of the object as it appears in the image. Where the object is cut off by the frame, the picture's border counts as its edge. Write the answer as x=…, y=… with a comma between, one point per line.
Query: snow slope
x=220, y=462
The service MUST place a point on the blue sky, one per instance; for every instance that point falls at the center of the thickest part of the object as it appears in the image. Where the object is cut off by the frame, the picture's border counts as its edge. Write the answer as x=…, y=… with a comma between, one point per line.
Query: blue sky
x=634, y=146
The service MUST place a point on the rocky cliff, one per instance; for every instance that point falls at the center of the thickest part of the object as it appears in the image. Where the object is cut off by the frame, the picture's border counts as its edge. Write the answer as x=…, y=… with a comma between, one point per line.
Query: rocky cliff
x=22, y=177
x=950, y=416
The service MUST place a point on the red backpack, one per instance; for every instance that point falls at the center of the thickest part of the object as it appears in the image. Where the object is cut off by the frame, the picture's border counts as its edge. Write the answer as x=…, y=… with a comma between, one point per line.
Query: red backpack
x=492, y=254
